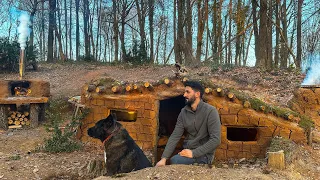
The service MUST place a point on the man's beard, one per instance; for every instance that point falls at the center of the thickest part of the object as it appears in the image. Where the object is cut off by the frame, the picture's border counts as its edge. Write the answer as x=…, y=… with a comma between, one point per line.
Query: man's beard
x=190, y=101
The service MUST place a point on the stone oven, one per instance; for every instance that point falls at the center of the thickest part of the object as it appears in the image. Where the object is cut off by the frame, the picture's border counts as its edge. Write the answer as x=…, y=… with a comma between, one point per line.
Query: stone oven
x=22, y=102
x=149, y=112
x=307, y=101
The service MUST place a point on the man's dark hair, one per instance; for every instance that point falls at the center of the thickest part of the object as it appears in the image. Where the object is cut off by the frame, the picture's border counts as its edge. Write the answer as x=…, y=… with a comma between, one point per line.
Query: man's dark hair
x=196, y=86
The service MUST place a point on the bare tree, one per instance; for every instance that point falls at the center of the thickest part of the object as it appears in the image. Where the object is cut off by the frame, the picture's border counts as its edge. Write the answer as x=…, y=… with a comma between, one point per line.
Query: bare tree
x=52, y=25
x=77, y=3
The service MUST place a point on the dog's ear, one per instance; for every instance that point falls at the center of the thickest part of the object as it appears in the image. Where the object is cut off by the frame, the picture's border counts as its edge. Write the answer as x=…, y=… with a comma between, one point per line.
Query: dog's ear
x=114, y=116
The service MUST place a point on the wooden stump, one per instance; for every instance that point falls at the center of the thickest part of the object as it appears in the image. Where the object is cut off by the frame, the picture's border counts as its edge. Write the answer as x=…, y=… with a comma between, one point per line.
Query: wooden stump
x=3, y=116
x=34, y=115
x=276, y=160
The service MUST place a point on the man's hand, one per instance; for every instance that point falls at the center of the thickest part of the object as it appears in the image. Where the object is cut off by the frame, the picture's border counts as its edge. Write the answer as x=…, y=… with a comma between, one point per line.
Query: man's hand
x=186, y=153
x=162, y=162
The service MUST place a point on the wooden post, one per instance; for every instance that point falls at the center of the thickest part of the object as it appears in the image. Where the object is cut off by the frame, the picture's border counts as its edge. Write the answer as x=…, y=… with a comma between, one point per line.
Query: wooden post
x=167, y=81
x=101, y=89
x=34, y=115
x=220, y=92
x=129, y=88
x=115, y=89
x=207, y=90
x=148, y=85
x=276, y=160
x=4, y=112
x=231, y=96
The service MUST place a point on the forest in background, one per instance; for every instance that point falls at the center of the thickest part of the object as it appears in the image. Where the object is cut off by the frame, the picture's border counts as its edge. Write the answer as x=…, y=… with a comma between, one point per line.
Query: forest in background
x=276, y=33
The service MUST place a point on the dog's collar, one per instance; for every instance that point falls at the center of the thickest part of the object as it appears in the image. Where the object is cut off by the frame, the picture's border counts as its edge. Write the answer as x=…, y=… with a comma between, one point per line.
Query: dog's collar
x=114, y=131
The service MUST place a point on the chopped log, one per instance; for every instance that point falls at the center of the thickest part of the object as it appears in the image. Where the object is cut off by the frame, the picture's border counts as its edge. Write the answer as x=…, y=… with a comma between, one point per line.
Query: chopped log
x=13, y=116
x=135, y=86
x=101, y=89
x=148, y=85
x=262, y=108
x=28, y=123
x=23, y=116
x=25, y=119
x=167, y=81
x=220, y=92
x=231, y=96
x=207, y=90
x=129, y=87
x=23, y=123
x=289, y=116
x=276, y=160
x=14, y=126
x=26, y=113
x=90, y=88
x=17, y=122
x=246, y=104
x=20, y=119
x=18, y=115
x=9, y=118
x=115, y=89
x=10, y=121
x=16, y=119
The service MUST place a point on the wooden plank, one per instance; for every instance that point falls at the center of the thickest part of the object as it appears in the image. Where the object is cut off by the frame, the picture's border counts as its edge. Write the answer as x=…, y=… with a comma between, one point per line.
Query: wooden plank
x=23, y=100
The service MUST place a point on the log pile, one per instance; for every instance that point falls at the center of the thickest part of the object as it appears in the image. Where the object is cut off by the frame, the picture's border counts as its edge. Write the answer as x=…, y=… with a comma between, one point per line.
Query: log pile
x=18, y=119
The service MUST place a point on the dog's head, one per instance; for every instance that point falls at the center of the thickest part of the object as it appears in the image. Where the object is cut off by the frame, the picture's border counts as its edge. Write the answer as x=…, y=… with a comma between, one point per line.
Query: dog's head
x=103, y=128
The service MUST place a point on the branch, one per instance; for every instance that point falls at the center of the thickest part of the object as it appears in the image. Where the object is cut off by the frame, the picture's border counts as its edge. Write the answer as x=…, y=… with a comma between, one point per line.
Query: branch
x=227, y=43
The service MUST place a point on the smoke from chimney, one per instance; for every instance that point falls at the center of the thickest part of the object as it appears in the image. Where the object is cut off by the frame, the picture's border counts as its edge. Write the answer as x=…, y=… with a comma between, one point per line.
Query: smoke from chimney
x=312, y=71
x=23, y=30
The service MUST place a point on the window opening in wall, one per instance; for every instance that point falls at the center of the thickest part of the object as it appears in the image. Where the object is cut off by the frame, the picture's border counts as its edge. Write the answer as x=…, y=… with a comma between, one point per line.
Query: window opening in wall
x=242, y=134
x=124, y=115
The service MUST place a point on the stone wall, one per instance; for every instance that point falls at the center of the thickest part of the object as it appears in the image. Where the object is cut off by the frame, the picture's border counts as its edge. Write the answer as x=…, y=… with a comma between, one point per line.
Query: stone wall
x=233, y=114
x=144, y=130
x=307, y=101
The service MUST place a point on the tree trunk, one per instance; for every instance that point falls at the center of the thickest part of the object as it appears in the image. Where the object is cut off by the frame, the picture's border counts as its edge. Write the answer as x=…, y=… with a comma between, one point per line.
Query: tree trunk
x=299, y=49
x=284, y=37
x=52, y=24
x=66, y=26
x=85, y=27
x=32, y=14
x=202, y=18
x=70, y=30
x=151, y=9
x=189, y=28
x=263, y=34
x=277, y=47
x=115, y=30
x=141, y=10
x=77, y=30
x=229, y=34
x=256, y=31
x=269, y=59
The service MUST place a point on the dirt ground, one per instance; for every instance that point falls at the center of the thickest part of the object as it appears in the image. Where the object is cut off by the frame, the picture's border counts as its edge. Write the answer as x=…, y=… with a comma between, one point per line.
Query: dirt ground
x=18, y=160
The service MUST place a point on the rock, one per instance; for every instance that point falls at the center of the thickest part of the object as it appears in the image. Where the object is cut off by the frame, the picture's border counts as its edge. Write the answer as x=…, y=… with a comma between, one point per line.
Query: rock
x=242, y=160
x=35, y=170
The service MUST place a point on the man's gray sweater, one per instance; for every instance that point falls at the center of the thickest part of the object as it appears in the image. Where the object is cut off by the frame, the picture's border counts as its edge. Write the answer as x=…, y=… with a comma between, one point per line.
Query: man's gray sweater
x=203, y=131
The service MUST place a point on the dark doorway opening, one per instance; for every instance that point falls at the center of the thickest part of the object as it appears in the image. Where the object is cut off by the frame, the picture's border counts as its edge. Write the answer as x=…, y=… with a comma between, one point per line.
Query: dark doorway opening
x=242, y=134
x=168, y=113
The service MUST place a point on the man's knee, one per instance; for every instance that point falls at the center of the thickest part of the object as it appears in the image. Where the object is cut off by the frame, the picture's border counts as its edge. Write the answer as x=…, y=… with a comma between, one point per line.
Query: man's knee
x=177, y=159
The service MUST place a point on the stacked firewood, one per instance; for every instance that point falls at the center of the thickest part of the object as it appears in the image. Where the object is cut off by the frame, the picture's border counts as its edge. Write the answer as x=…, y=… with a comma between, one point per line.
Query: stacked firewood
x=17, y=118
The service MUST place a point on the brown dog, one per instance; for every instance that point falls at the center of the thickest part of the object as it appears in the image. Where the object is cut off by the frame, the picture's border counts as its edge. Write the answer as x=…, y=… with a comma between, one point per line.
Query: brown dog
x=122, y=154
